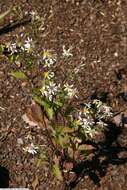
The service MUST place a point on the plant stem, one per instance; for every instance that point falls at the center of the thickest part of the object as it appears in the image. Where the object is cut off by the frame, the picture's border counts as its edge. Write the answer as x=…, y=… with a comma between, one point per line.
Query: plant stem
x=48, y=134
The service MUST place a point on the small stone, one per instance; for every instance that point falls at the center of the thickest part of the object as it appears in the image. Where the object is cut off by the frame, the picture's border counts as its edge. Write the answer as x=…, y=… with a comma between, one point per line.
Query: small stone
x=116, y=54
x=20, y=141
x=24, y=84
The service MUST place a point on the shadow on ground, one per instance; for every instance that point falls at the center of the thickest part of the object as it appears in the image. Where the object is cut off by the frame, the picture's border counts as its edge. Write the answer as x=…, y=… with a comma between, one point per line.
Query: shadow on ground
x=97, y=167
x=4, y=177
x=15, y=24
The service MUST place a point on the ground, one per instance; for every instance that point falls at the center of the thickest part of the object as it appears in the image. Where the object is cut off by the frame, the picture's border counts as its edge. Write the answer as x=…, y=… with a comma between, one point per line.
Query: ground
x=97, y=32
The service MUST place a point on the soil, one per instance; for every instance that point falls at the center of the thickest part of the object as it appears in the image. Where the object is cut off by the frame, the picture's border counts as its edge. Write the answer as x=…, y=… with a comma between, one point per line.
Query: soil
x=97, y=32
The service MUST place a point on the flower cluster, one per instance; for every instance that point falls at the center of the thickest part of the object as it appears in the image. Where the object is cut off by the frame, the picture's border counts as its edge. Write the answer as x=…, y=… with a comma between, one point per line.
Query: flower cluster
x=50, y=90
x=49, y=75
x=49, y=58
x=87, y=124
x=26, y=46
x=103, y=111
x=91, y=115
x=12, y=48
x=70, y=90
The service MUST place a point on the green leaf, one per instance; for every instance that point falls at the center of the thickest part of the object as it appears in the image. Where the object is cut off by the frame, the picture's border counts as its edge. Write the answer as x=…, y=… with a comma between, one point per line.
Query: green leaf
x=38, y=99
x=47, y=108
x=18, y=75
x=49, y=112
x=29, y=63
x=1, y=48
x=64, y=141
x=13, y=58
x=68, y=111
x=58, y=103
x=56, y=172
x=61, y=137
x=36, y=92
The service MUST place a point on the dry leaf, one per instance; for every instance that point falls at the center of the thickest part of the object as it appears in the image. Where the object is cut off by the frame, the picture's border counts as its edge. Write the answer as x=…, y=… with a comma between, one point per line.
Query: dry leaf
x=34, y=115
x=35, y=112
x=28, y=121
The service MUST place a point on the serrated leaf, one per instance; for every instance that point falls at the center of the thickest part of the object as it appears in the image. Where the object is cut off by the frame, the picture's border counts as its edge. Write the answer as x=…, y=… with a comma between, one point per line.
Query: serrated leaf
x=57, y=172
x=64, y=140
x=18, y=74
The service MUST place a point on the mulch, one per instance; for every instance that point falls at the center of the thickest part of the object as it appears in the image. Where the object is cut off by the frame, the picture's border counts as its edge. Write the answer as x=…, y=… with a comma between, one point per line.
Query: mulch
x=97, y=31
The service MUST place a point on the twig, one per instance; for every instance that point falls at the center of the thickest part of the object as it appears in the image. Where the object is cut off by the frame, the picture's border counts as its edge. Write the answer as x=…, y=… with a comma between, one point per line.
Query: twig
x=117, y=113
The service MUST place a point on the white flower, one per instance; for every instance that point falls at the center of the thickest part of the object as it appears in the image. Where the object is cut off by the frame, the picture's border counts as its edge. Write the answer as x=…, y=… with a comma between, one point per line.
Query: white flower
x=28, y=44
x=107, y=111
x=87, y=124
x=104, y=112
x=66, y=52
x=70, y=90
x=12, y=48
x=34, y=15
x=86, y=111
x=49, y=62
x=49, y=75
x=101, y=124
x=50, y=90
x=32, y=149
x=98, y=103
x=89, y=131
x=48, y=58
